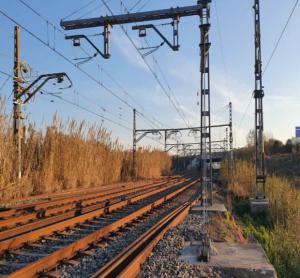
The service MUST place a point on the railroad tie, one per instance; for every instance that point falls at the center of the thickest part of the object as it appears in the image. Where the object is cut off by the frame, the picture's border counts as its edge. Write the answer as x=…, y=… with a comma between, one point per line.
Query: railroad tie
x=89, y=253
x=72, y=263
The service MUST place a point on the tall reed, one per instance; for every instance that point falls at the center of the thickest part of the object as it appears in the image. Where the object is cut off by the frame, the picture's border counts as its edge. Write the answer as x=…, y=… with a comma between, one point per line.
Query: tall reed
x=69, y=155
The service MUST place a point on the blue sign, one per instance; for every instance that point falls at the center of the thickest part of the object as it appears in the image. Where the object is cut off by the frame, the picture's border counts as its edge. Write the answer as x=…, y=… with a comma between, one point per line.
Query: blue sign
x=298, y=132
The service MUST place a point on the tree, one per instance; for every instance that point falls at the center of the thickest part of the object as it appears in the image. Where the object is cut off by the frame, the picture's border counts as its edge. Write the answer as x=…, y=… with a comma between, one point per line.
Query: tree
x=289, y=146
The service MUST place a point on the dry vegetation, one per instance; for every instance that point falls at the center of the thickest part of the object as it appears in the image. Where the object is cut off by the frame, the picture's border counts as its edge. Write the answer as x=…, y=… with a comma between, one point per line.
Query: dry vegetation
x=67, y=156
x=280, y=235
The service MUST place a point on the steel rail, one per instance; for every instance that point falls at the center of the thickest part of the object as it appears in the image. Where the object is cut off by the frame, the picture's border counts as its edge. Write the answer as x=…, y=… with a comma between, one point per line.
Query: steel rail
x=44, y=210
x=55, y=200
x=19, y=241
x=128, y=263
x=48, y=262
x=85, y=207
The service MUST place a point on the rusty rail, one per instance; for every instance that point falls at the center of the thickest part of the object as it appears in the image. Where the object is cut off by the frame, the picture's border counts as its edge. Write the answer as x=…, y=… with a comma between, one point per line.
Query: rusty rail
x=128, y=263
x=68, y=198
x=69, y=251
x=18, y=241
x=52, y=215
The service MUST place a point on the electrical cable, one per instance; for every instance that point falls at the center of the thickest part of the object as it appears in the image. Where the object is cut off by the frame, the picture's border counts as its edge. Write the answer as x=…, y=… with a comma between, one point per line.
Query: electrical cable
x=281, y=35
x=64, y=57
x=124, y=91
x=101, y=84
x=90, y=111
x=142, y=7
x=148, y=66
x=181, y=113
x=135, y=5
x=79, y=9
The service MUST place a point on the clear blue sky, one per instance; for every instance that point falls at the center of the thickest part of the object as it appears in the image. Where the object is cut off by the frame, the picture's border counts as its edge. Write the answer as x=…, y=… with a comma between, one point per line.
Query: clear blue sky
x=232, y=62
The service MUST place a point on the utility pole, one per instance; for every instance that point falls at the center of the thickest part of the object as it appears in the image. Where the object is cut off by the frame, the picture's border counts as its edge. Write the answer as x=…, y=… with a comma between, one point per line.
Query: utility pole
x=17, y=107
x=226, y=149
x=165, y=140
x=134, y=165
x=259, y=122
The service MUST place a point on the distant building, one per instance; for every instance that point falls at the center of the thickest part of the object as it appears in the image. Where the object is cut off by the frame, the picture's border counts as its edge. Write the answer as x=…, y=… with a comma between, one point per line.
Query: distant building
x=297, y=130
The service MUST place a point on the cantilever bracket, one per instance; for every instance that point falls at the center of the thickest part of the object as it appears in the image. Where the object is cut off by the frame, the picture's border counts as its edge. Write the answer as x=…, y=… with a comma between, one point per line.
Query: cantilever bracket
x=173, y=45
x=173, y=132
x=28, y=95
x=145, y=133
x=106, y=34
x=172, y=147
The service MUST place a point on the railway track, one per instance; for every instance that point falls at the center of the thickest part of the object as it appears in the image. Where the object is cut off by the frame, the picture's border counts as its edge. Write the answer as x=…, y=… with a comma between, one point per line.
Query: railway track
x=31, y=253
x=31, y=217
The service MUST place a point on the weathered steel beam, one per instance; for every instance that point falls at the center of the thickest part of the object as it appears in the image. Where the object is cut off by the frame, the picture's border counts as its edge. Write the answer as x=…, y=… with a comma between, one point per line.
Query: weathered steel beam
x=133, y=17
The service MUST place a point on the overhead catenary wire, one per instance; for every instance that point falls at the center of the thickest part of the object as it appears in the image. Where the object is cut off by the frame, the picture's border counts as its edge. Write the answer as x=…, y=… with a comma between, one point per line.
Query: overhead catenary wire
x=70, y=102
x=173, y=101
x=91, y=111
x=79, y=9
x=48, y=46
x=135, y=5
x=280, y=36
x=99, y=115
x=123, y=91
x=148, y=65
x=144, y=5
x=84, y=108
x=101, y=84
x=92, y=10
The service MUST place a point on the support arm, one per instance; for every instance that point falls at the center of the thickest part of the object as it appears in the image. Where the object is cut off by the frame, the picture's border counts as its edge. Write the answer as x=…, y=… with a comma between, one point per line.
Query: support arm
x=134, y=17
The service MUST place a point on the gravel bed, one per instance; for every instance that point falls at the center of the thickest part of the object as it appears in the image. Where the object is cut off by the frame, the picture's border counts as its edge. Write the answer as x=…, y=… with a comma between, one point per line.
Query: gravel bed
x=164, y=261
x=90, y=264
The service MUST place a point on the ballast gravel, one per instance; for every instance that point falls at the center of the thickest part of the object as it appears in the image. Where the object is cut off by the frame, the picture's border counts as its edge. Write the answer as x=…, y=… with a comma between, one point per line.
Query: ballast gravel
x=165, y=262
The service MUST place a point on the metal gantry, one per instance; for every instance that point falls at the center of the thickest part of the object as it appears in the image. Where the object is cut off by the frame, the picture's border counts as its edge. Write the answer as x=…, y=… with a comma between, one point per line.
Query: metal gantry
x=259, y=122
x=139, y=134
x=202, y=9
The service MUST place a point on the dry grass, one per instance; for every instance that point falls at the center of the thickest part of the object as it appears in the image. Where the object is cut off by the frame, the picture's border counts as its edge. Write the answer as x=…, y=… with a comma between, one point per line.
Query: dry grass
x=67, y=156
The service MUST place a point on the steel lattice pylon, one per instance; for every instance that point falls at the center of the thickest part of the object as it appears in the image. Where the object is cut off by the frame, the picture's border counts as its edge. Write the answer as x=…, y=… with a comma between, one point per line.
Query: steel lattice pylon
x=259, y=123
x=205, y=123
